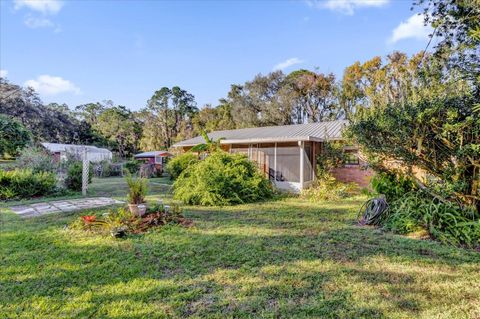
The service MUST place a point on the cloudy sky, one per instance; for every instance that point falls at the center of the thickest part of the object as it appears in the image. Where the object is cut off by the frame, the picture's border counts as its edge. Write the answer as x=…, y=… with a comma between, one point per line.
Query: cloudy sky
x=76, y=52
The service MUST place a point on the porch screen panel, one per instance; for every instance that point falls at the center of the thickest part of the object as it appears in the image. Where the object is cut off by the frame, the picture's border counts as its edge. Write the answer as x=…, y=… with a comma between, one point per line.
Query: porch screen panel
x=308, y=163
x=240, y=148
x=288, y=164
x=266, y=160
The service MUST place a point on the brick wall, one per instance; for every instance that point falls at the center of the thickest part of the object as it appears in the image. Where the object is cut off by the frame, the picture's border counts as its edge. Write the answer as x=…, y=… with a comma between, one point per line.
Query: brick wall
x=355, y=174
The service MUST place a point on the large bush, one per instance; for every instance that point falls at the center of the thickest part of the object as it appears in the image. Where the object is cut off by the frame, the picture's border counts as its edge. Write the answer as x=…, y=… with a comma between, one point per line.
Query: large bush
x=24, y=183
x=328, y=188
x=392, y=185
x=73, y=181
x=36, y=159
x=13, y=136
x=179, y=163
x=222, y=179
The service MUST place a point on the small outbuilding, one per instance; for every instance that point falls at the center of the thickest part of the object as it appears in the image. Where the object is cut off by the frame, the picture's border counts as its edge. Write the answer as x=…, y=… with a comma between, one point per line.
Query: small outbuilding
x=94, y=154
x=157, y=158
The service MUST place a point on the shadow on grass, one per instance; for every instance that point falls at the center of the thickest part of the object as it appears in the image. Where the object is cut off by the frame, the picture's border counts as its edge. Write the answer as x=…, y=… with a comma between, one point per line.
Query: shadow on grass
x=294, y=261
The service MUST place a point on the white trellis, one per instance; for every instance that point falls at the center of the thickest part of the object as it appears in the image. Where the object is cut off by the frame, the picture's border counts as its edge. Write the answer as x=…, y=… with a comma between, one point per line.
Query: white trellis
x=85, y=171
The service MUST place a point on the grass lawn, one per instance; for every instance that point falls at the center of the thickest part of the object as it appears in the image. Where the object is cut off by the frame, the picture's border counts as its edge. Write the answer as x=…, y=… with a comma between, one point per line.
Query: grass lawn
x=279, y=259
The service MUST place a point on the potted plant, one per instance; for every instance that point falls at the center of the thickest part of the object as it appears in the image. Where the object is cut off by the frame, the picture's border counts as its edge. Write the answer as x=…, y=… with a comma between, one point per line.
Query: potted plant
x=136, y=195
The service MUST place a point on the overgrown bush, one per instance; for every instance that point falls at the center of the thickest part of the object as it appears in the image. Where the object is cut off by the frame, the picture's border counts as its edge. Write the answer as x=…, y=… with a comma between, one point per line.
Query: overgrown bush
x=392, y=185
x=222, y=179
x=328, y=188
x=133, y=166
x=444, y=221
x=36, y=159
x=179, y=163
x=24, y=183
x=73, y=181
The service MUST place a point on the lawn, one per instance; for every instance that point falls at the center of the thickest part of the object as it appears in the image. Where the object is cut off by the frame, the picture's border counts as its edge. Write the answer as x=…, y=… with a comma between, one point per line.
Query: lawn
x=285, y=258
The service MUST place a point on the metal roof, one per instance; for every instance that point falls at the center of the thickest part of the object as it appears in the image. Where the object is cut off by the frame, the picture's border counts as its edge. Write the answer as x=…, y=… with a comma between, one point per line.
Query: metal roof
x=57, y=147
x=318, y=132
x=152, y=154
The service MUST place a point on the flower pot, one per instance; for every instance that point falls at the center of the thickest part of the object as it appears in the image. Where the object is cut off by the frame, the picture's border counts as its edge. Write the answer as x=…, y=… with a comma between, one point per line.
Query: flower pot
x=137, y=209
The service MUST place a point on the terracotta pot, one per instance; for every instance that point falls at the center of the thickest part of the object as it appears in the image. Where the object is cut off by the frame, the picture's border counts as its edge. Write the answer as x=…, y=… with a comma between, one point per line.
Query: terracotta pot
x=138, y=209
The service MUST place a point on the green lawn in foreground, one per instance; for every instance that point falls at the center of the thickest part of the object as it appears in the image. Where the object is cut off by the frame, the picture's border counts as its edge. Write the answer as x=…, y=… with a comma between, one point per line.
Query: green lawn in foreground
x=279, y=259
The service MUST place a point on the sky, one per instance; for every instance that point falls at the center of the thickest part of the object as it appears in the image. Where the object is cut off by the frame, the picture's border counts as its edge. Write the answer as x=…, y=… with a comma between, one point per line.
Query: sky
x=81, y=51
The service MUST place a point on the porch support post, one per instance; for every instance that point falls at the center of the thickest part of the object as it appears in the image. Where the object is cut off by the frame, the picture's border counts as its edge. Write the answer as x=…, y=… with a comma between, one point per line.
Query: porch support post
x=275, y=163
x=302, y=159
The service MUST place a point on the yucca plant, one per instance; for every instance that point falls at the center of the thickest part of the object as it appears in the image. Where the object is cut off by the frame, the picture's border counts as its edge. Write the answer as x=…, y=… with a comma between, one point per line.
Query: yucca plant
x=138, y=188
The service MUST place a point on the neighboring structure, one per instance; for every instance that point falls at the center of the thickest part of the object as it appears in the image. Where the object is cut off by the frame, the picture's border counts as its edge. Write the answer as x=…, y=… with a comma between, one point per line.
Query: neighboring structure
x=94, y=154
x=287, y=154
x=157, y=158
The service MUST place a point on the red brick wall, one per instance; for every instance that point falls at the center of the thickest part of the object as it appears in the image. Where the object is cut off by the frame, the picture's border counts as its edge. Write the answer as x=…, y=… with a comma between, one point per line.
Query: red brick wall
x=353, y=174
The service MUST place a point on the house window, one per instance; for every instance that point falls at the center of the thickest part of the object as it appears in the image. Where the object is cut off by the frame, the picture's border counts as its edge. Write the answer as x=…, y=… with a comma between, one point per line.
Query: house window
x=351, y=157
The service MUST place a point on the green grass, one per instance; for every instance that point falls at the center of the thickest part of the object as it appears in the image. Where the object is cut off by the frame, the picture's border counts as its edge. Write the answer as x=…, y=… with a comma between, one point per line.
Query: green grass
x=279, y=259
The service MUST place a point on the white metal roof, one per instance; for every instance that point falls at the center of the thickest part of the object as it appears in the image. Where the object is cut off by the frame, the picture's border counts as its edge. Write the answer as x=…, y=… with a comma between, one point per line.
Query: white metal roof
x=56, y=147
x=152, y=154
x=318, y=132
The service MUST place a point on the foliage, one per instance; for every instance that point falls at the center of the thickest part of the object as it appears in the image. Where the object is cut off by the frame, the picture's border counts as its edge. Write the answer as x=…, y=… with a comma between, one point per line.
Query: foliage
x=107, y=169
x=328, y=188
x=24, y=183
x=331, y=156
x=133, y=166
x=179, y=163
x=392, y=185
x=37, y=159
x=444, y=221
x=209, y=146
x=138, y=189
x=222, y=179
x=440, y=136
x=13, y=136
x=73, y=180
x=121, y=222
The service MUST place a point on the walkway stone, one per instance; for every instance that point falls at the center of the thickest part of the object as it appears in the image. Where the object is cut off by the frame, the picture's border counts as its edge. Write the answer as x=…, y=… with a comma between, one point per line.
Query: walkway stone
x=40, y=209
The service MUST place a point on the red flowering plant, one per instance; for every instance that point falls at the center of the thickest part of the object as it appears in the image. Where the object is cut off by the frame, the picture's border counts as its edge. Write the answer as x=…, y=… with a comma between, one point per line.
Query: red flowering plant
x=88, y=219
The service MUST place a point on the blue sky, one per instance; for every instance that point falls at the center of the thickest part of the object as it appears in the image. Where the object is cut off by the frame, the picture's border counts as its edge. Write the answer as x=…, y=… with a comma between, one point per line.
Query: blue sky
x=76, y=52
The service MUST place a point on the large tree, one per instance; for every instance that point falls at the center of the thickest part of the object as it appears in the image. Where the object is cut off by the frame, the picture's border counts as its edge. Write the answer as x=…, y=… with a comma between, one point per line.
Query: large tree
x=13, y=136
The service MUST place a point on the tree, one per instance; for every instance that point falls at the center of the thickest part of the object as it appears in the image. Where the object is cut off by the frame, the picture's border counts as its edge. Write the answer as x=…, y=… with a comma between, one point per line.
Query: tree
x=120, y=128
x=13, y=136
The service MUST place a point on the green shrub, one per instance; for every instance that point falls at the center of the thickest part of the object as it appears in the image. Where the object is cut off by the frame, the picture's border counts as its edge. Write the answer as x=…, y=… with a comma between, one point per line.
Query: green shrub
x=73, y=181
x=133, y=166
x=179, y=163
x=36, y=159
x=138, y=188
x=222, y=179
x=24, y=183
x=444, y=221
x=328, y=188
x=391, y=185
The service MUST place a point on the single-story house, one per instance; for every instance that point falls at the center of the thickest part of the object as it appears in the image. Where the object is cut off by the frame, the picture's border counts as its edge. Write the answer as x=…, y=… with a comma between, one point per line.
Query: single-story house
x=158, y=158
x=94, y=154
x=287, y=154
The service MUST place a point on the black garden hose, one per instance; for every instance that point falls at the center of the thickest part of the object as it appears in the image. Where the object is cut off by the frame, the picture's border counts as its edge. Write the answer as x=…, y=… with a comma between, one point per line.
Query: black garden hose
x=373, y=211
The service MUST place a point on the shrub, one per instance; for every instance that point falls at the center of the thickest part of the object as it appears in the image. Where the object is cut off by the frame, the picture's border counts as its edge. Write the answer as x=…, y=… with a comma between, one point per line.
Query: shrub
x=36, y=159
x=73, y=180
x=329, y=188
x=24, y=183
x=444, y=221
x=178, y=164
x=138, y=188
x=13, y=136
x=391, y=185
x=133, y=166
x=222, y=179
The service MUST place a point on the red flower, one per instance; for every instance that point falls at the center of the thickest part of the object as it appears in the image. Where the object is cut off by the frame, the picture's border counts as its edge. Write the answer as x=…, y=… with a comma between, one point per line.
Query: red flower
x=89, y=218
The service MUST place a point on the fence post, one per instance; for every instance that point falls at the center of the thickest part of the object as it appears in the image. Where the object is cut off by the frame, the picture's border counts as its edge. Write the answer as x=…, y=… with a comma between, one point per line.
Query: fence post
x=85, y=171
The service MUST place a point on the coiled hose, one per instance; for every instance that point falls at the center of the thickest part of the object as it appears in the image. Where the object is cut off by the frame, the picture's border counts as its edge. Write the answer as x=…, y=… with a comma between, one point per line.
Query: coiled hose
x=373, y=211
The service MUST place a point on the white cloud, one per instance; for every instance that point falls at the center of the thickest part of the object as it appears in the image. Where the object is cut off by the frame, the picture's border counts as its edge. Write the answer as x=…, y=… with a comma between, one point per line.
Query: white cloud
x=33, y=22
x=413, y=27
x=345, y=6
x=43, y=6
x=287, y=63
x=3, y=73
x=52, y=85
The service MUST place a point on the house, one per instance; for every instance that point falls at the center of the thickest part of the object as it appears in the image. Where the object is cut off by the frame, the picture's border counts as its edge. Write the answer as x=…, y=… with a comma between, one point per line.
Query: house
x=94, y=154
x=287, y=154
x=157, y=158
